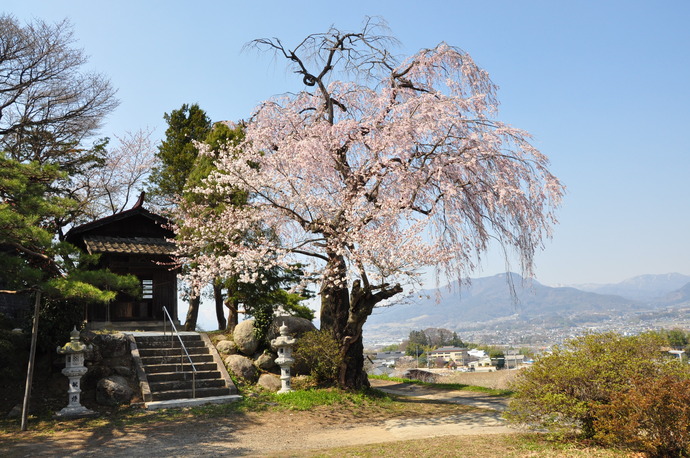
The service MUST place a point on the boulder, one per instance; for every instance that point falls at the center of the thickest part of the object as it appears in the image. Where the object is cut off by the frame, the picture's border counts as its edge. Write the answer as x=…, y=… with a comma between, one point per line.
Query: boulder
x=244, y=337
x=269, y=382
x=226, y=347
x=215, y=338
x=114, y=390
x=120, y=361
x=242, y=367
x=112, y=345
x=266, y=361
x=16, y=412
x=296, y=326
x=125, y=371
x=95, y=373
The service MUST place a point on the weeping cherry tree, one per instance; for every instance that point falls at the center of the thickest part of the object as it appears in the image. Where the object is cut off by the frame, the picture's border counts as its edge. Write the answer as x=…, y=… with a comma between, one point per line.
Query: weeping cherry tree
x=377, y=169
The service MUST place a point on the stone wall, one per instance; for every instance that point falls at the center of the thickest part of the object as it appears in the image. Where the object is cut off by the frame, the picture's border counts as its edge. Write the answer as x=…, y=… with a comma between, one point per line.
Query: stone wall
x=111, y=378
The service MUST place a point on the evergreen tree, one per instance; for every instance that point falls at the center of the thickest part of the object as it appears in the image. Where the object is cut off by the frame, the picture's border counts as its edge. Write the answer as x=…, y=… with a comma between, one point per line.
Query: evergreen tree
x=177, y=154
x=33, y=260
x=417, y=342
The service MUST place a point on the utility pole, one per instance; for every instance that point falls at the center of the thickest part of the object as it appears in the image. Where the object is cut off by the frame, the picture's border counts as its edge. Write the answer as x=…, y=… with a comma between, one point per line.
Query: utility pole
x=32, y=356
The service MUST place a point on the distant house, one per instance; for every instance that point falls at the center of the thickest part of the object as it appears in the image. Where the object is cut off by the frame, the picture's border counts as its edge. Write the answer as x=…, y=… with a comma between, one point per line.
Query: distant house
x=380, y=370
x=513, y=359
x=482, y=362
x=459, y=355
x=389, y=355
x=476, y=354
x=134, y=241
x=387, y=358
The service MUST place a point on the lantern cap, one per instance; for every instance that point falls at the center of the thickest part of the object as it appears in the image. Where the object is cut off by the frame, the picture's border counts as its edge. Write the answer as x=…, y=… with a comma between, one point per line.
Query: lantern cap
x=74, y=345
x=284, y=339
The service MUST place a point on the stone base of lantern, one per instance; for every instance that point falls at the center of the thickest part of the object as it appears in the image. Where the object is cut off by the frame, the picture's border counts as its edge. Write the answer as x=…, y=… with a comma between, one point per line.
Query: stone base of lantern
x=69, y=413
x=285, y=380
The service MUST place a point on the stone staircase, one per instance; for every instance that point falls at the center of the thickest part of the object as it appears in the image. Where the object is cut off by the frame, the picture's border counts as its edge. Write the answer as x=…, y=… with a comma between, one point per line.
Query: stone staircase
x=166, y=377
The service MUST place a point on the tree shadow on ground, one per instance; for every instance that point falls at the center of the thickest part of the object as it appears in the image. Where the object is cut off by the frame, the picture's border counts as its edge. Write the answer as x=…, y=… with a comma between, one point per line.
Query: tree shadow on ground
x=172, y=433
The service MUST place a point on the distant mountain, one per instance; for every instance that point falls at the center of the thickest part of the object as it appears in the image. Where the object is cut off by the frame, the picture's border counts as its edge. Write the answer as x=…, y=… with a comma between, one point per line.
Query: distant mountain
x=641, y=288
x=492, y=299
x=679, y=296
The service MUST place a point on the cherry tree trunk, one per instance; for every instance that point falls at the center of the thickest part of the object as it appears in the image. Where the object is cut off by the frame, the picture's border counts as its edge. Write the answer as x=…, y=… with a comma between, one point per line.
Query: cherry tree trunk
x=218, y=298
x=343, y=314
x=233, y=319
x=335, y=311
x=192, y=314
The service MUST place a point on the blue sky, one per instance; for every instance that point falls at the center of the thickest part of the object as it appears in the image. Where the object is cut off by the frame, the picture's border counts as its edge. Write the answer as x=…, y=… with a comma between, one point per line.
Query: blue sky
x=601, y=85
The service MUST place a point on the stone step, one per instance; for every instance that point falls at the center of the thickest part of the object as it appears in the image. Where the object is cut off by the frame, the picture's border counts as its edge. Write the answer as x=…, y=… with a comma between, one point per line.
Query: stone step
x=158, y=368
x=179, y=403
x=167, y=342
x=167, y=377
x=175, y=359
x=173, y=385
x=187, y=394
x=172, y=376
x=146, y=352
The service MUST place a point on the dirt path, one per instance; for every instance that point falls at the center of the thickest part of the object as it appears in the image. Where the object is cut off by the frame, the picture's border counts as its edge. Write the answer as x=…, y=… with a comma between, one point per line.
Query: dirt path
x=268, y=433
x=470, y=398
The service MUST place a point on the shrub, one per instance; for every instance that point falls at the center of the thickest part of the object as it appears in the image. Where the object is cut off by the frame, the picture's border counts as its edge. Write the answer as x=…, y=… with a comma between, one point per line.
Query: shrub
x=566, y=391
x=319, y=351
x=14, y=352
x=652, y=416
x=56, y=320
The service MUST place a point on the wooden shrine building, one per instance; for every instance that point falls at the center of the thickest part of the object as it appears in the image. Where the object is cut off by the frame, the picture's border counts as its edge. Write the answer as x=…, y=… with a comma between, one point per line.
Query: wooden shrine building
x=134, y=241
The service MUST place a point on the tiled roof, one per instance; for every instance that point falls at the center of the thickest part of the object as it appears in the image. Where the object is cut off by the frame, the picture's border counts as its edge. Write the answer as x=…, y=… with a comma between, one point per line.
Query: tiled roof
x=128, y=245
x=448, y=349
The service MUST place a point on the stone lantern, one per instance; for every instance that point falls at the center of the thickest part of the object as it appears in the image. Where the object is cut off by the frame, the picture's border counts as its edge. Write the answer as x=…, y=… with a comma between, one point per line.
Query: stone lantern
x=74, y=369
x=283, y=344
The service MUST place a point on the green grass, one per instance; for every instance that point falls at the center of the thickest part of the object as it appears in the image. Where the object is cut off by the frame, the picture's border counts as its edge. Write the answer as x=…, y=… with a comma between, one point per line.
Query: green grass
x=307, y=400
x=446, y=386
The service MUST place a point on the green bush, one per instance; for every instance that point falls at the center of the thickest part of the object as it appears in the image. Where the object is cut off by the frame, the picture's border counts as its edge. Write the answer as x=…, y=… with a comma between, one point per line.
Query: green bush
x=14, y=353
x=57, y=318
x=574, y=388
x=319, y=351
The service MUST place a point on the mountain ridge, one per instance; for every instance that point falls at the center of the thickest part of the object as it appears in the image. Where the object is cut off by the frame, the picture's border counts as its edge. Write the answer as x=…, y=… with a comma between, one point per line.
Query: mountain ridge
x=640, y=287
x=488, y=301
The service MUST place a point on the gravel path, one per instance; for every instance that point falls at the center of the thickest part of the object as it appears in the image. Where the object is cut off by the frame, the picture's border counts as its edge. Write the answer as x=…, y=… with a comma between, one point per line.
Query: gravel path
x=269, y=433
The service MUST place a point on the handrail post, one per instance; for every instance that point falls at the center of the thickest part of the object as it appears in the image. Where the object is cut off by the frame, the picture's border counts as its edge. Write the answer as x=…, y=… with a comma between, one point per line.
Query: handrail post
x=183, y=348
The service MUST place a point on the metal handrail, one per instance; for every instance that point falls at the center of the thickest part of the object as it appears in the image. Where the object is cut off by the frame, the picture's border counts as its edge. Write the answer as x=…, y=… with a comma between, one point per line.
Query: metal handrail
x=183, y=348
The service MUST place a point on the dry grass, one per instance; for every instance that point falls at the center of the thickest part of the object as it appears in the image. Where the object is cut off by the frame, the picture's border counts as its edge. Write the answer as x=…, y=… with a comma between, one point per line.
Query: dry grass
x=497, y=380
x=504, y=446
x=264, y=416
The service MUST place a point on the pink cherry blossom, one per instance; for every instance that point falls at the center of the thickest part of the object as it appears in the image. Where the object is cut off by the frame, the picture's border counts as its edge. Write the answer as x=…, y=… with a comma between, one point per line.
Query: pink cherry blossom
x=370, y=181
